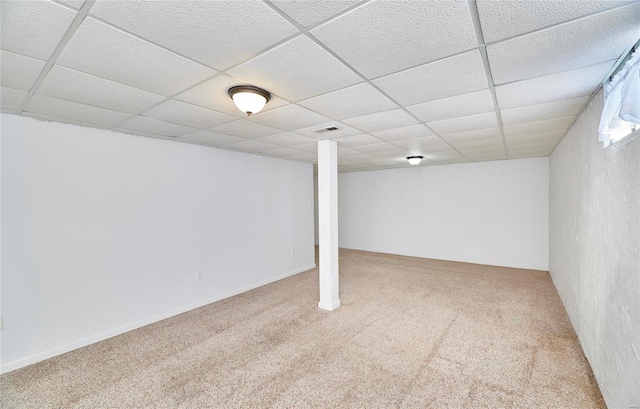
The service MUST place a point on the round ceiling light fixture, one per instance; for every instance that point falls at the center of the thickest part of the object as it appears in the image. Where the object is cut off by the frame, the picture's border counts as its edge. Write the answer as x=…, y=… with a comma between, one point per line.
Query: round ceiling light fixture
x=249, y=99
x=414, y=160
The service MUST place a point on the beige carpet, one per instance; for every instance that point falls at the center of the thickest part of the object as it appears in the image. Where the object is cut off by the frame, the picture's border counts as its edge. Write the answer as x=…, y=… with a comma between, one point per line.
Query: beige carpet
x=411, y=332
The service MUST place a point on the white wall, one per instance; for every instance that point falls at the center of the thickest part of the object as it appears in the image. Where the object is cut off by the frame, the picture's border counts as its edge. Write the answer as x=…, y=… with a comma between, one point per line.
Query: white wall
x=488, y=213
x=104, y=232
x=595, y=252
x=316, y=228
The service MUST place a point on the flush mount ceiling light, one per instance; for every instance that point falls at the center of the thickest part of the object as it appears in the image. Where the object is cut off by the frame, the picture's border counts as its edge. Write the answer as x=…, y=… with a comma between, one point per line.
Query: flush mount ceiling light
x=249, y=99
x=414, y=160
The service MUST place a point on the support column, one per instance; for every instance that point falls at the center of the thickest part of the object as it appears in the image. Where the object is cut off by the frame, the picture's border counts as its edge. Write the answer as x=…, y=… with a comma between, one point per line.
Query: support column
x=328, y=223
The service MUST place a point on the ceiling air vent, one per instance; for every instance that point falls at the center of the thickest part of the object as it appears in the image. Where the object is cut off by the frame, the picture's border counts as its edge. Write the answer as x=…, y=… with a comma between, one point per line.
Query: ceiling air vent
x=327, y=129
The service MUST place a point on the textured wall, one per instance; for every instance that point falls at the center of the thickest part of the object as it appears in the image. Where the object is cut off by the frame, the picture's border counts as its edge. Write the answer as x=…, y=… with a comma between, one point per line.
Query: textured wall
x=488, y=213
x=595, y=252
x=104, y=232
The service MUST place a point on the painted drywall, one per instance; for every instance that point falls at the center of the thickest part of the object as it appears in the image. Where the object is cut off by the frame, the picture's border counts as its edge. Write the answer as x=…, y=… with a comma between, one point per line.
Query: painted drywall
x=316, y=228
x=595, y=251
x=488, y=213
x=104, y=232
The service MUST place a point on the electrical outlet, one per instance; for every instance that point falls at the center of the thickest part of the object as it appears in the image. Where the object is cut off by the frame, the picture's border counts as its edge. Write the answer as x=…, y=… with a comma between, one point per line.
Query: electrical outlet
x=1, y=322
x=198, y=275
x=293, y=252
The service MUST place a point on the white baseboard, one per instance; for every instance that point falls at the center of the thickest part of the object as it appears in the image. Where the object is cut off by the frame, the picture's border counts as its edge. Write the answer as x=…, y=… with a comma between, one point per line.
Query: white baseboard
x=82, y=342
x=329, y=306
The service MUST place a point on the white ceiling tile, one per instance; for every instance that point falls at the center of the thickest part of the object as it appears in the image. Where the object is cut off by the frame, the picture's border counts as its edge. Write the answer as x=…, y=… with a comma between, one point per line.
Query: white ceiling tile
x=491, y=144
x=59, y=108
x=107, y=74
x=452, y=161
x=296, y=70
x=76, y=86
x=211, y=138
x=288, y=139
x=246, y=129
x=501, y=19
x=485, y=156
x=358, y=100
x=544, y=146
x=101, y=50
x=187, y=114
x=532, y=148
x=216, y=33
x=576, y=44
x=532, y=145
x=18, y=71
x=76, y=4
x=537, y=137
x=479, y=155
x=284, y=152
x=345, y=152
x=406, y=132
x=429, y=142
x=342, y=131
x=467, y=123
x=358, y=140
x=358, y=157
x=473, y=103
x=346, y=163
x=155, y=127
x=11, y=98
x=377, y=147
x=473, y=135
x=565, y=85
x=531, y=152
x=309, y=12
x=364, y=159
x=515, y=147
x=557, y=124
x=308, y=147
x=480, y=151
x=33, y=28
x=441, y=79
x=380, y=163
x=540, y=112
x=253, y=146
x=289, y=117
x=410, y=33
x=392, y=153
x=307, y=157
x=213, y=94
x=355, y=168
x=395, y=118
x=450, y=156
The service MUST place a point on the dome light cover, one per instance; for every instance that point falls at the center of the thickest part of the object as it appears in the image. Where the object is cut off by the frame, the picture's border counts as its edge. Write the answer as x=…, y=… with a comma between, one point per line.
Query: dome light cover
x=414, y=160
x=249, y=99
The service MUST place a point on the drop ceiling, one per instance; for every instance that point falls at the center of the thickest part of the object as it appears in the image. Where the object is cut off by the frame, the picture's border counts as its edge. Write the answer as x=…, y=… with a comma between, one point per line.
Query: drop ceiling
x=454, y=81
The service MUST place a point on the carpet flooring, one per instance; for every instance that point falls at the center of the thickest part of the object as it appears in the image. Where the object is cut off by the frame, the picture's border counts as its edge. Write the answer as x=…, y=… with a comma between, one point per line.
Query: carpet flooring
x=411, y=333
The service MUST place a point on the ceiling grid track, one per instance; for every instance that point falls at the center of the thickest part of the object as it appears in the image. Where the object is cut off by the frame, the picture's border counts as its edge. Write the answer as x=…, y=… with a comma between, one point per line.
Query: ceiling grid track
x=475, y=17
x=361, y=67
x=364, y=79
x=219, y=72
x=75, y=24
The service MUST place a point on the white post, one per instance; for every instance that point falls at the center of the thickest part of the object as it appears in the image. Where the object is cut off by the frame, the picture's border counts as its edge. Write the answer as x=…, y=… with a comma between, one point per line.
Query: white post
x=328, y=223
